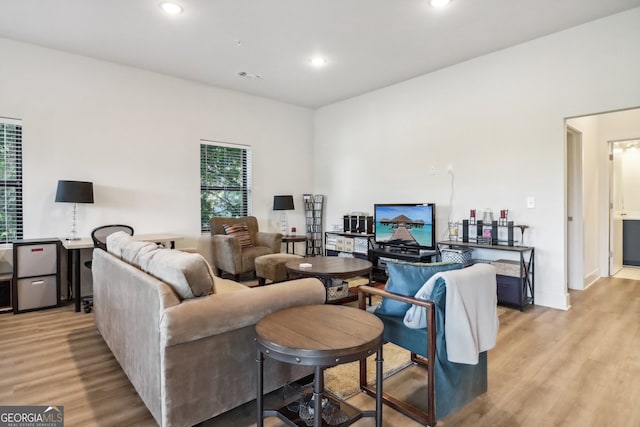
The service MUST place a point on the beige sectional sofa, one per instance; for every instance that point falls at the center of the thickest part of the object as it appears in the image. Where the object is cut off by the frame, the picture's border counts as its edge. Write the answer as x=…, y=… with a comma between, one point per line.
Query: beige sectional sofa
x=189, y=358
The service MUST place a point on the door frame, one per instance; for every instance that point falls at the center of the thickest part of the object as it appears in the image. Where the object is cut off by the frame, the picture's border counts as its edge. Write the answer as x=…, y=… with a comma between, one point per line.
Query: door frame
x=615, y=228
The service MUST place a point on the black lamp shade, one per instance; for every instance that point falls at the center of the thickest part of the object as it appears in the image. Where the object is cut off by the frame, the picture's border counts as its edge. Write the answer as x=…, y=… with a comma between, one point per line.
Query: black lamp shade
x=283, y=203
x=74, y=192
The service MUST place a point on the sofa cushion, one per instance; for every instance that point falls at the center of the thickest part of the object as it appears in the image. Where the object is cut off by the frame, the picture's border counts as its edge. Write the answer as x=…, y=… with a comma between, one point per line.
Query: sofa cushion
x=406, y=279
x=117, y=241
x=240, y=232
x=188, y=274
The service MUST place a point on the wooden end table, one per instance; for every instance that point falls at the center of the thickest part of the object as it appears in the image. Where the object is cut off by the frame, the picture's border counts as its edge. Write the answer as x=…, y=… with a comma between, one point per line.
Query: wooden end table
x=326, y=268
x=315, y=335
x=293, y=239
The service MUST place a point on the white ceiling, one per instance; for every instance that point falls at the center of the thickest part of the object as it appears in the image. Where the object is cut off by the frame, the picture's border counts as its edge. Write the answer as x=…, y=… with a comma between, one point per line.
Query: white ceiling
x=369, y=44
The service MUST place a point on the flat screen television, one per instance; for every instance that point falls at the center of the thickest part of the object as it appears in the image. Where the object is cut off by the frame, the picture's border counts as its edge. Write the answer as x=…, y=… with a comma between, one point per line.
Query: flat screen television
x=406, y=225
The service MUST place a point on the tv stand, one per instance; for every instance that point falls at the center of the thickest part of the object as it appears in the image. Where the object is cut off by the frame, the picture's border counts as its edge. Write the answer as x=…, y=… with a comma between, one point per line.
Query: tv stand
x=380, y=256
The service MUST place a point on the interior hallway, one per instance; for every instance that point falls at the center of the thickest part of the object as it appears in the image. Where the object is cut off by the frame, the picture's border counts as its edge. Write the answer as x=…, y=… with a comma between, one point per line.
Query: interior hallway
x=632, y=273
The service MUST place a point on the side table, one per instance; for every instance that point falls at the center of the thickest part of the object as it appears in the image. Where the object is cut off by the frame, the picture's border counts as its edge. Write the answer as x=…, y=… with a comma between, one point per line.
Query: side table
x=293, y=239
x=320, y=336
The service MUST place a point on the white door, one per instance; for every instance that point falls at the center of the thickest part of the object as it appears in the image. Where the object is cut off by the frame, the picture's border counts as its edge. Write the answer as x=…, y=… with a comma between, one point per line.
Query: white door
x=575, y=232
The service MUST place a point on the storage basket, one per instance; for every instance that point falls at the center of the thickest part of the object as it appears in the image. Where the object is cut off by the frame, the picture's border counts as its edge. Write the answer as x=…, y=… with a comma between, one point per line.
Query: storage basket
x=481, y=240
x=457, y=255
x=361, y=245
x=337, y=290
x=507, y=267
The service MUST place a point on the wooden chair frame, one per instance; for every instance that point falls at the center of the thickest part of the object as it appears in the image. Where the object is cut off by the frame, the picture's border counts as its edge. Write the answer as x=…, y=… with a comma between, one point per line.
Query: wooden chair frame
x=429, y=417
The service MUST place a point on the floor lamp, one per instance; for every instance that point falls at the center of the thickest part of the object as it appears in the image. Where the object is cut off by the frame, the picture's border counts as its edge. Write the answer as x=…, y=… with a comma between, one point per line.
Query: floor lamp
x=283, y=203
x=74, y=192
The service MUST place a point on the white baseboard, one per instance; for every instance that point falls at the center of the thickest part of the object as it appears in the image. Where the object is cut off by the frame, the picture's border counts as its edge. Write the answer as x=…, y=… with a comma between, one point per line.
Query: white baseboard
x=591, y=278
x=558, y=301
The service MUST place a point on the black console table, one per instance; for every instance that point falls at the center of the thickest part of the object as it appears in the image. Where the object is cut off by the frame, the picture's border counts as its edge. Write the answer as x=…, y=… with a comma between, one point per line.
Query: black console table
x=513, y=291
x=379, y=256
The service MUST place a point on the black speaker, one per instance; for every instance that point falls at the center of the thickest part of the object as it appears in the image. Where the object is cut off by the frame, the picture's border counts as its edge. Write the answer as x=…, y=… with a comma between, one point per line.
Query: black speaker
x=365, y=224
x=465, y=230
x=346, y=223
x=510, y=233
x=494, y=232
x=354, y=224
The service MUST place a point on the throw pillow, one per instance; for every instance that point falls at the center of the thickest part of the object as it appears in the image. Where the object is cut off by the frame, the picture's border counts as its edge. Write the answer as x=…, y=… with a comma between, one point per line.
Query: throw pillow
x=188, y=274
x=117, y=241
x=132, y=251
x=240, y=232
x=406, y=279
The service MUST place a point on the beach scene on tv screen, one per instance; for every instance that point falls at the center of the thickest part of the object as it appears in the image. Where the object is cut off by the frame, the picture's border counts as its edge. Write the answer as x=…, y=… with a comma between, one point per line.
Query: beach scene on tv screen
x=404, y=225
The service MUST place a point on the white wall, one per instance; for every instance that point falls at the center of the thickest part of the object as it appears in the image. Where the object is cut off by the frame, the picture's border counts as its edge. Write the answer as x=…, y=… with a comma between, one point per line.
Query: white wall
x=136, y=136
x=498, y=120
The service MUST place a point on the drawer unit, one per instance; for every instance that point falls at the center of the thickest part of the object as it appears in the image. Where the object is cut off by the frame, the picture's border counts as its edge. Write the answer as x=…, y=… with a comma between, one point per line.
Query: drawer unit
x=36, y=274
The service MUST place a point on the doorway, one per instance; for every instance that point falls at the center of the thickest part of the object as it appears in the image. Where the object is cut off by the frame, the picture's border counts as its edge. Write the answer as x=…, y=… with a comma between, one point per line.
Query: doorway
x=590, y=244
x=624, y=208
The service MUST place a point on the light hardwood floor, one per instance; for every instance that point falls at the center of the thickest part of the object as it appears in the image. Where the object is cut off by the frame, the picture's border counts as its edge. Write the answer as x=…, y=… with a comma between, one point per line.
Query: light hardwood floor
x=579, y=367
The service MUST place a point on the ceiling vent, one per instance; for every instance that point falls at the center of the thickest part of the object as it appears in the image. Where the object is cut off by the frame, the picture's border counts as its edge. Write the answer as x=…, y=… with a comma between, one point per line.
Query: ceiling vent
x=246, y=75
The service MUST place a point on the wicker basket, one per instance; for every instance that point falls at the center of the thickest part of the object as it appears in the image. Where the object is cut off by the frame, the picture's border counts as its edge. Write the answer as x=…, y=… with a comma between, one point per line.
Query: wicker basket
x=337, y=290
x=458, y=256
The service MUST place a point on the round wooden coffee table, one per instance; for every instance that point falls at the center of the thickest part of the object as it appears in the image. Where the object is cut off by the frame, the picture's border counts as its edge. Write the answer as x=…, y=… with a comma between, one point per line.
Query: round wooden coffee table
x=319, y=336
x=326, y=268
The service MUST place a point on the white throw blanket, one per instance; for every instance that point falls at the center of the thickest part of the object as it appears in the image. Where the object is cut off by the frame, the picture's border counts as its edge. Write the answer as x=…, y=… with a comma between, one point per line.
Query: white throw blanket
x=471, y=318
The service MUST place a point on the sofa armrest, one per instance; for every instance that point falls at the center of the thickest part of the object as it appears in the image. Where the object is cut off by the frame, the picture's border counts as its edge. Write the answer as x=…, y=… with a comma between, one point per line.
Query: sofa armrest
x=270, y=240
x=215, y=314
x=226, y=253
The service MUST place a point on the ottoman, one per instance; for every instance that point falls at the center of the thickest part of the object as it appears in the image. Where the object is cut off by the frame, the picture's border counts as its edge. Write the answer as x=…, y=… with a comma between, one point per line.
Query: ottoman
x=271, y=267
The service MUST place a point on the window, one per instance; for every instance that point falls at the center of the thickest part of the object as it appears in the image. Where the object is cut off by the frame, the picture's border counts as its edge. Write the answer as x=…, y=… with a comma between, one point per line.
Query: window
x=10, y=180
x=225, y=181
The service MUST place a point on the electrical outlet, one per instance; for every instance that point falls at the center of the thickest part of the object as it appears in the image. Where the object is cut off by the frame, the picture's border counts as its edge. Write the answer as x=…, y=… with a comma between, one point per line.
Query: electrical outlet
x=450, y=168
x=531, y=202
x=432, y=170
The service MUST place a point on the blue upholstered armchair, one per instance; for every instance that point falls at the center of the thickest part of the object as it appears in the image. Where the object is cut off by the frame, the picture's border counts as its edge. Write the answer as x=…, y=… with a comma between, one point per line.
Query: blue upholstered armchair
x=450, y=385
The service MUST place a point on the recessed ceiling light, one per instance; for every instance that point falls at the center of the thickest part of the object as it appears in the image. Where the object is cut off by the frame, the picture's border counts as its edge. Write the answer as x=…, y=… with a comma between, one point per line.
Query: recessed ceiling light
x=318, y=61
x=171, y=8
x=439, y=3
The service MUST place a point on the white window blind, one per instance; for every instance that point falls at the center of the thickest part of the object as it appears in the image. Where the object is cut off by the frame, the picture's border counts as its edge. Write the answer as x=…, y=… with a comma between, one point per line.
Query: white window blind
x=225, y=181
x=10, y=180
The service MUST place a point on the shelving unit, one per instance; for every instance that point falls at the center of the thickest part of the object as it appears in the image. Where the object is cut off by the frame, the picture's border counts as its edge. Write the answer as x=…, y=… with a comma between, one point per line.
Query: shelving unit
x=356, y=245
x=475, y=232
x=513, y=291
x=313, y=206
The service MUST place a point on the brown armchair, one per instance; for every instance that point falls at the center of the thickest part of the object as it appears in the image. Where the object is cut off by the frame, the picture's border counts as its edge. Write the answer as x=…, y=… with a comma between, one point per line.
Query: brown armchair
x=229, y=256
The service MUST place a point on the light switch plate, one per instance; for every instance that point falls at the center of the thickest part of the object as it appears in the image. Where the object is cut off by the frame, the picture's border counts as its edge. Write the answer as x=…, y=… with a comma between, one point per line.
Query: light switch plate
x=531, y=202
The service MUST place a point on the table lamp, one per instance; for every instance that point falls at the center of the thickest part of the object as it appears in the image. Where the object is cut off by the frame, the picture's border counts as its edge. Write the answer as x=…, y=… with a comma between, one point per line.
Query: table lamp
x=283, y=203
x=74, y=192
